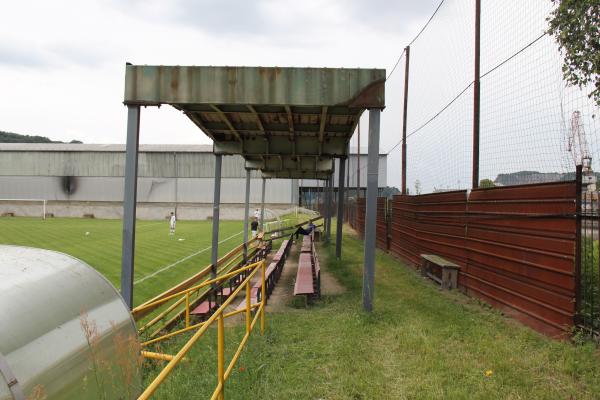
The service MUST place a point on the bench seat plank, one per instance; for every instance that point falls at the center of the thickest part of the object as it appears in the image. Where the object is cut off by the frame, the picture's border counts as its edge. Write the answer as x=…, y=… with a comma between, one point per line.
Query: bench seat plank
x=304, y=280
x=202, y=309
x=437, y=260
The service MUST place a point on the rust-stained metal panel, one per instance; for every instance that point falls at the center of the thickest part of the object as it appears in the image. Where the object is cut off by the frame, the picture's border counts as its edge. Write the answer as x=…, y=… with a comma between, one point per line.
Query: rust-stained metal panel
x=265, y=112
x=515, y=246
x=381, y=228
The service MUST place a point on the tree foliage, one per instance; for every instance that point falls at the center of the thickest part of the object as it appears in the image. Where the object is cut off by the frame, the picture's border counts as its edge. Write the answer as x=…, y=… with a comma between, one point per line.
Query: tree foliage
x=486, y=183
x=575, y=24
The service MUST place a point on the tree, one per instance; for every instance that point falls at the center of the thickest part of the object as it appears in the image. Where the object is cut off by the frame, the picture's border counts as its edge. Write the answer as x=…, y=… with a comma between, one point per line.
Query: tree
x=575, y=24
x=486, y=183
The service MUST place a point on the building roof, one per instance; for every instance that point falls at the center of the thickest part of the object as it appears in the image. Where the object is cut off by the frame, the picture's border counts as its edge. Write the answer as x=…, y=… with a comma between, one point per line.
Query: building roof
x=144, y=148
x=286, y=122
x=148, y=148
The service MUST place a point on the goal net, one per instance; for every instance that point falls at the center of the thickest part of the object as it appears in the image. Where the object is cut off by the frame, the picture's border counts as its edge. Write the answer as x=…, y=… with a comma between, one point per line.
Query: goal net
x=23, y=208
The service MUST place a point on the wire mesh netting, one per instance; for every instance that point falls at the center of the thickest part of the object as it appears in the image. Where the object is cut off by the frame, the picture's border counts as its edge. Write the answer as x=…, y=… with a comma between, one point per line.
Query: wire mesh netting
x=533, y=126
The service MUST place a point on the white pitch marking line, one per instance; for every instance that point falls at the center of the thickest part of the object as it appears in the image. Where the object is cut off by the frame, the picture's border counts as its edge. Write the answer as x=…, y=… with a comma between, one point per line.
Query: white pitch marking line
x=183, y=259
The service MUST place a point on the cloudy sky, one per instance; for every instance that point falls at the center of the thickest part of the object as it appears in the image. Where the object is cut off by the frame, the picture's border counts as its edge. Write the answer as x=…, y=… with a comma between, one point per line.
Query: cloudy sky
x=62, y=62
x=62, y=72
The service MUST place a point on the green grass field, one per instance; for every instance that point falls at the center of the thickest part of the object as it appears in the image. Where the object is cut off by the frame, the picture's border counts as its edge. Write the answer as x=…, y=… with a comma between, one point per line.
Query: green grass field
x=101, y=248
x=419, y=343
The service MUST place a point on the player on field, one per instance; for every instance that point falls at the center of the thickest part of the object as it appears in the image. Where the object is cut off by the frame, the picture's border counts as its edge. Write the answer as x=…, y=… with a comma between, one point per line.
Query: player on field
x=172, y=222
x=254, y=227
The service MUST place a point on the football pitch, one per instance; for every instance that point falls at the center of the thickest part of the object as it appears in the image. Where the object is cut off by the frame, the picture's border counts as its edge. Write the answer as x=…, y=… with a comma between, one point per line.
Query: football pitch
x=161, y=260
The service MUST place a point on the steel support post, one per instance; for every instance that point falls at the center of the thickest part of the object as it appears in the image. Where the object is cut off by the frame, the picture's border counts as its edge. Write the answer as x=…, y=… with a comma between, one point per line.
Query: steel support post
x=358, y=163
x=262, y=206
x=476, y=97
x=215, y=227
x=246, y=213
x=404, y=118
x=129, y=203
x=347, y=189
x=371, y=209
x=329, y=212
x=340, y=210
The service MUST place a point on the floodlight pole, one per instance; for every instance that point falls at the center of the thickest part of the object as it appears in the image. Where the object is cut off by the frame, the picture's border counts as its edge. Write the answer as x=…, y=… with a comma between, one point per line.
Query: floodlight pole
x=129, y=204
x=340, y=209
x=215, y=220
x=246, y=213
x=262, y=207
x=371, y=210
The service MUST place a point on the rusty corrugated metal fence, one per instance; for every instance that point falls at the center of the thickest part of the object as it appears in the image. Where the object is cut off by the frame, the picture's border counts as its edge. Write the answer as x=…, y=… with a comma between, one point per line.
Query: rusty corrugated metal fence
x=516, y=245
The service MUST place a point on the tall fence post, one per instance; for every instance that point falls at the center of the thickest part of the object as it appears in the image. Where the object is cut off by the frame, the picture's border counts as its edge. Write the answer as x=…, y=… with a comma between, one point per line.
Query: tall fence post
x=404, y=116
x=578, y=188
x=476, y=97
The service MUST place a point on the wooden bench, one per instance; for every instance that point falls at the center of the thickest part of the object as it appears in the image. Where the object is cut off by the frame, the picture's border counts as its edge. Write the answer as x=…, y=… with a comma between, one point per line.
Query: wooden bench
x=304, y=278
x=306, y=244
x=282, y=252
x=317, y=273
x=449, y=270
x=204, y=308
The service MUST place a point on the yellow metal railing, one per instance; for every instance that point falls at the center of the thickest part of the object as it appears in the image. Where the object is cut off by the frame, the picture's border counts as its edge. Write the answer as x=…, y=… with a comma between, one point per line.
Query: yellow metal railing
x=172, y=314
x=219, y=315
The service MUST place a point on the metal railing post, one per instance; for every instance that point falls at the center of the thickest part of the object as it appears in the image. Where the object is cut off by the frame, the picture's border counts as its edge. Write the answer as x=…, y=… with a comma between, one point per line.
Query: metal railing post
x=221, y=355
x=263, y=298
x=248, y=315
x=187, y=309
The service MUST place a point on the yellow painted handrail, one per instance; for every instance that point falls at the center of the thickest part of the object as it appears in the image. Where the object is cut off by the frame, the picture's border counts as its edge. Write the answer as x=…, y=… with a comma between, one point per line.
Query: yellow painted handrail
x=219, y=315
x=194, y=288
x=143, y=309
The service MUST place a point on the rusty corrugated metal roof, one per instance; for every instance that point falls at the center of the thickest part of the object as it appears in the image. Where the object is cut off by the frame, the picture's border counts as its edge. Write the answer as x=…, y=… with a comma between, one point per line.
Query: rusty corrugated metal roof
x=286, y=122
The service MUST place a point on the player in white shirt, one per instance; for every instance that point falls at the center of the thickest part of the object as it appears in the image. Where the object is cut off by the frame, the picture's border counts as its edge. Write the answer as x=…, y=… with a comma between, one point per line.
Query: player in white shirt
x=257, y=214
x=172, y=222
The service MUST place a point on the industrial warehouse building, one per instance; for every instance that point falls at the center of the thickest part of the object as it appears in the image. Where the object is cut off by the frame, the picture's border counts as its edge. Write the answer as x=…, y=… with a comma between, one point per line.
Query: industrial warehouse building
x=79, y=180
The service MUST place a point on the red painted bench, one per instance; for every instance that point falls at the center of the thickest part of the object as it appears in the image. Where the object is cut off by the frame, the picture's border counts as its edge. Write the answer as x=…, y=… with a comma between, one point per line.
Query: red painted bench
x=304, y=278
x=306, y=244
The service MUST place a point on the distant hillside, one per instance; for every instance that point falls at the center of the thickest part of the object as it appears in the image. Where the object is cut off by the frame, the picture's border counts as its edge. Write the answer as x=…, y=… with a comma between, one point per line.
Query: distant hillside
x=9, y=137
x=524, y=177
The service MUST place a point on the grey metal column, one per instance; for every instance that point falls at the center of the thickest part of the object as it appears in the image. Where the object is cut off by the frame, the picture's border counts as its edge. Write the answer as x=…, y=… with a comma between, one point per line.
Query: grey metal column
x=371, y=210
x=246, y=212
x=328, y=210
x=262, y=207
x=340, y=210
x=129, y=203
x=215, y=221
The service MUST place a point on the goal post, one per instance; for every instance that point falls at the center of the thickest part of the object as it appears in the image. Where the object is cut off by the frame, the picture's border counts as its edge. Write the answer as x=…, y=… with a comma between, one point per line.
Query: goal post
x=23, y=207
